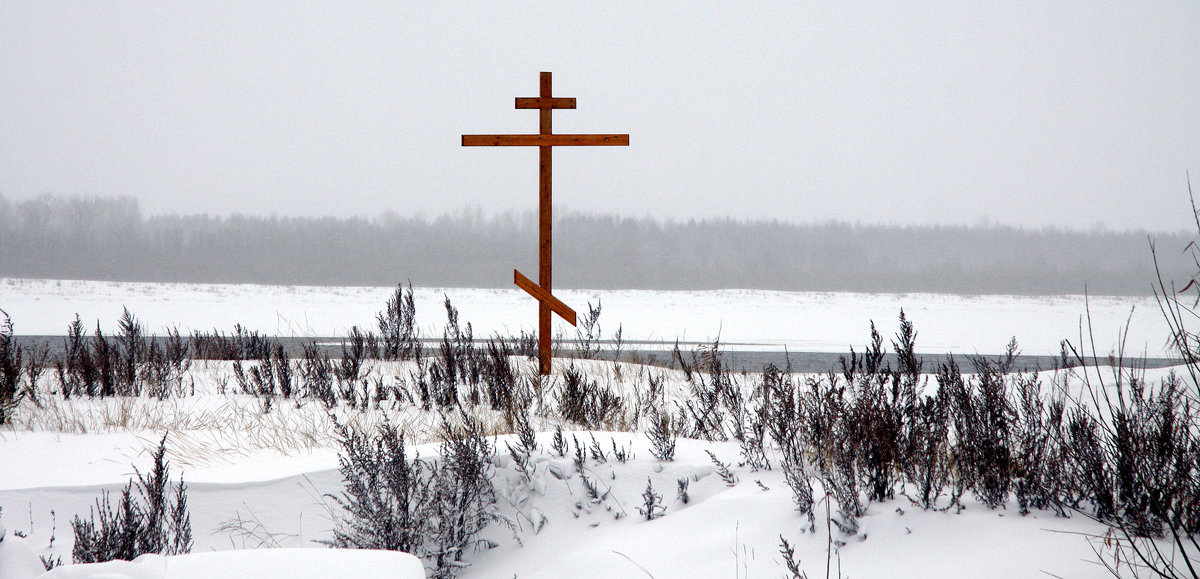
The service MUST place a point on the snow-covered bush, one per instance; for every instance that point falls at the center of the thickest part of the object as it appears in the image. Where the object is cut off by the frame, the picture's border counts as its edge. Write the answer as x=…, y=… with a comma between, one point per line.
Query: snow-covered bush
x=241, y=344
x=983, y=421
x=464, y=492
x=145, y=522
x=10, y=369
x=652, y=507
x=397, y=325
x=127, y=364
x=271, y=376
x=662, y=438
x=431, y=508
x=386, y=493
x=583, y=400
x=710, y=385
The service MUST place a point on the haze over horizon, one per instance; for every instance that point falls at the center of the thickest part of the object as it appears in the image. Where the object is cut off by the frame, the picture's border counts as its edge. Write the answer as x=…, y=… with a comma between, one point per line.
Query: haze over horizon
x=1024, y=114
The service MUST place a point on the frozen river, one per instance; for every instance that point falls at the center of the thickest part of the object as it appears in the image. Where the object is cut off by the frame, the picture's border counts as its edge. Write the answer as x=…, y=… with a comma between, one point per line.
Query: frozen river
x=750, y=320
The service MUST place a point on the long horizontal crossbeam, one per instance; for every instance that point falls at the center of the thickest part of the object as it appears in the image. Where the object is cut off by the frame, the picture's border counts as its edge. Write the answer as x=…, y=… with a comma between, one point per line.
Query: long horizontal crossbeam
x=544, y=140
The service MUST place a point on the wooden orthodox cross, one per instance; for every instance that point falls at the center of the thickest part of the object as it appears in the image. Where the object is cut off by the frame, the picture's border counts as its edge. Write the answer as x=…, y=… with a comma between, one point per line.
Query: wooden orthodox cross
x=544, y=140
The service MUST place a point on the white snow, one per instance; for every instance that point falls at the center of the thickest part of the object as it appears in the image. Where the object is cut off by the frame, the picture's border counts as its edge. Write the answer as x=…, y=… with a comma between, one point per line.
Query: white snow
x=18, y=560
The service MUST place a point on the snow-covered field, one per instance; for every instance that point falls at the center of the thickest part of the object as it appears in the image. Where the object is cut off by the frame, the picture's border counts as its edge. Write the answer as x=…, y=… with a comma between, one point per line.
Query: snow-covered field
x=260, y=481
x=801, y=321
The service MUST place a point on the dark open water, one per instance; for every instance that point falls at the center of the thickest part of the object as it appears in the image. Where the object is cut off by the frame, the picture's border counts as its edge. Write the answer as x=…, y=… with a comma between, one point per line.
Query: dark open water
x=746, y=358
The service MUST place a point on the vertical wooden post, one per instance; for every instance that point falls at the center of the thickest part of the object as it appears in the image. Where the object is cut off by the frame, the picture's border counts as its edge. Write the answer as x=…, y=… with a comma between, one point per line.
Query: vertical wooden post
x=545, y=223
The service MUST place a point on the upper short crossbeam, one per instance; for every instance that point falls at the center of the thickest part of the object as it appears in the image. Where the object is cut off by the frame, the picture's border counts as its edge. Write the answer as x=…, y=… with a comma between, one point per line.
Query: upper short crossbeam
x=545, y=102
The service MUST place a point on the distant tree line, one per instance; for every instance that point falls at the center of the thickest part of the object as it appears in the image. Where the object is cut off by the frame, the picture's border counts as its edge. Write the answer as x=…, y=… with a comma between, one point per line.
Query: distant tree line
x=110, y=239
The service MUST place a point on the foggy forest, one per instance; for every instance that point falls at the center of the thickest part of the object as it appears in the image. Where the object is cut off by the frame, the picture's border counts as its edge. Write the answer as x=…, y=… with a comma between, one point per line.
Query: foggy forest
x=108, y=238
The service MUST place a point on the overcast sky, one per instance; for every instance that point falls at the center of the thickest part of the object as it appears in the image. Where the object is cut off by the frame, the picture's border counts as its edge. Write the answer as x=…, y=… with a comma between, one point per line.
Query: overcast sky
x=1025, y=113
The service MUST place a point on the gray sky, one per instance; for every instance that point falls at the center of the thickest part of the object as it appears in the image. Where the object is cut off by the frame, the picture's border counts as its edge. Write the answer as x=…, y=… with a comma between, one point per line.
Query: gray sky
x=1026, y=113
